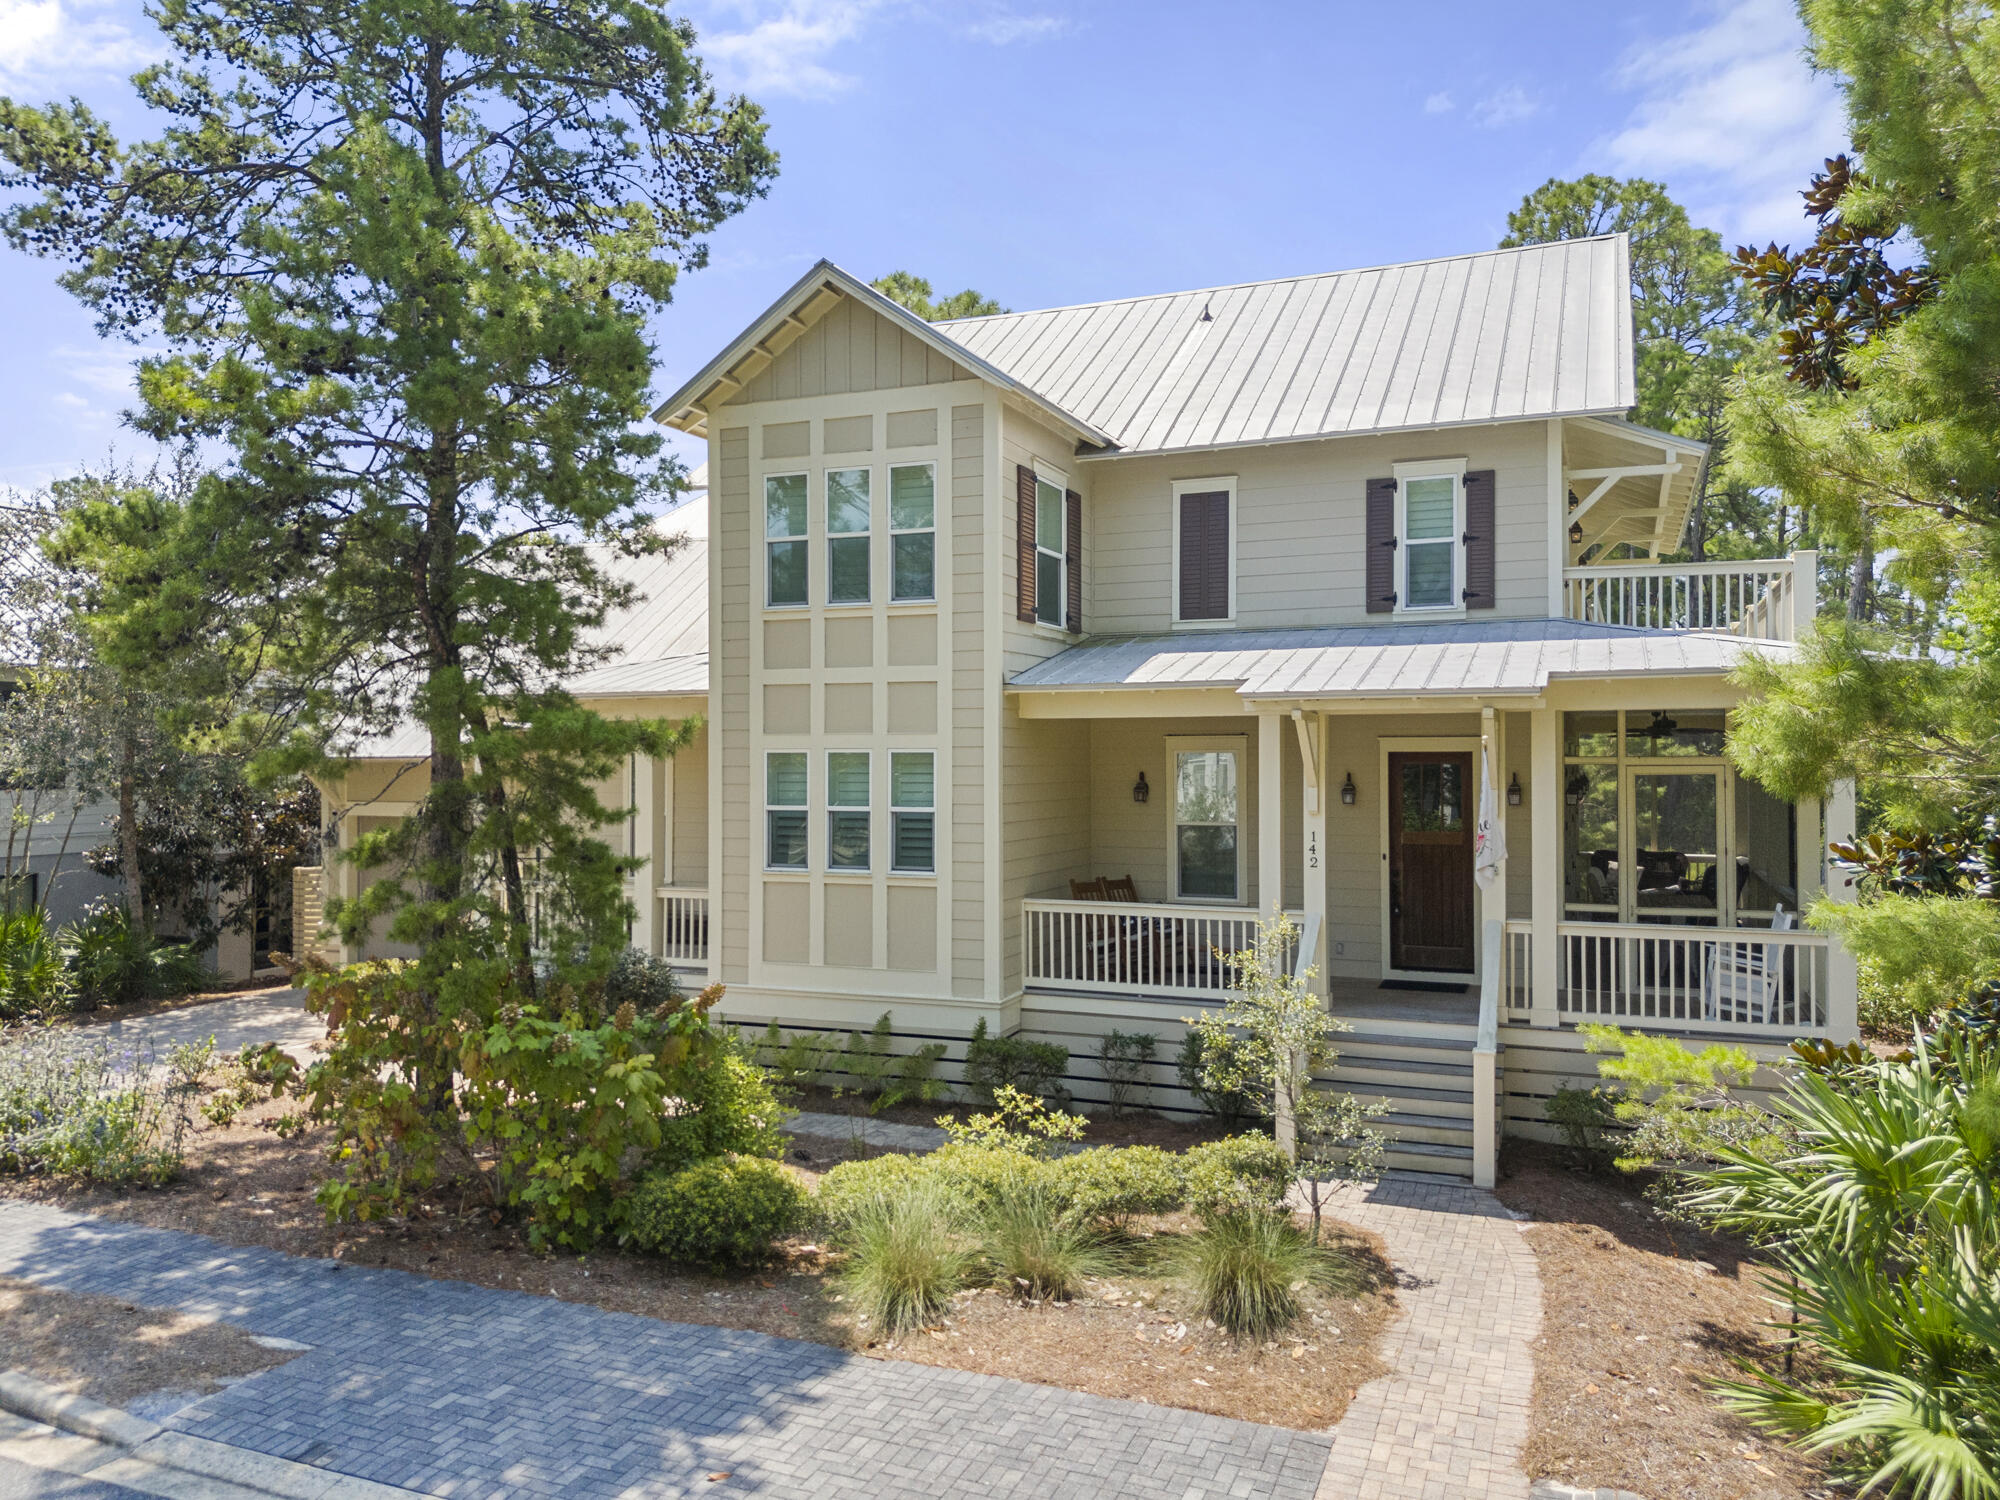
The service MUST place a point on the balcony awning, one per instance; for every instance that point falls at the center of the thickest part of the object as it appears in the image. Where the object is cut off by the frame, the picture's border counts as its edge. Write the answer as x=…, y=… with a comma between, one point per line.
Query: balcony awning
x=1487, y=658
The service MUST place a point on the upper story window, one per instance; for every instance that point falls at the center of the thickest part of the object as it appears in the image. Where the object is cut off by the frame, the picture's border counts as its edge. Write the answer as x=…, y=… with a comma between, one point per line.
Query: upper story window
x=1428, y=531
x=1048, y=550
x=847, y=549
x=1204, y=551
x=912, y=532
x=785, y=539
x=1050, y=553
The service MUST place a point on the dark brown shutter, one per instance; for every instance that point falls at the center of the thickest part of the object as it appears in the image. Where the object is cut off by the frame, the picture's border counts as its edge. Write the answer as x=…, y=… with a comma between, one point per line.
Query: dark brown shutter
x=1073, y=559
x=1024, y=543
x=1479, y=591
x=1380, y=573
x=1204, y=582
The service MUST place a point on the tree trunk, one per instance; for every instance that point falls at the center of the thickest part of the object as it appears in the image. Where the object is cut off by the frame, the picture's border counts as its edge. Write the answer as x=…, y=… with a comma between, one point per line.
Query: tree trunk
x=128, y=832
x=1861, y=580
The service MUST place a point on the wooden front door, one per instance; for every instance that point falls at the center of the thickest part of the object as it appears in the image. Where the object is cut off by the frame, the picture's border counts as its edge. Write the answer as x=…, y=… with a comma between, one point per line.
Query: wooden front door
x=1431, y=812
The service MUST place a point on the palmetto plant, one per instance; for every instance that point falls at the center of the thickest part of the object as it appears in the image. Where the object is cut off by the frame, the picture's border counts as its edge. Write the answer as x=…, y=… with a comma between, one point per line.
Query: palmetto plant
x=1883, y=1216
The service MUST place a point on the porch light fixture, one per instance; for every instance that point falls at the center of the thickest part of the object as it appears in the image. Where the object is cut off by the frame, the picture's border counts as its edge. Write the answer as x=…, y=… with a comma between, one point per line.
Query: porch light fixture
x=1347, y=792
x=1576, y=533
x=1514, y=790
x=1140, y=791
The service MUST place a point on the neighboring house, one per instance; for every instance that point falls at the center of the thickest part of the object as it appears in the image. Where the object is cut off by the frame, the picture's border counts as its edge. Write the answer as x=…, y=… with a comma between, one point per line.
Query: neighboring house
x=1231, y=592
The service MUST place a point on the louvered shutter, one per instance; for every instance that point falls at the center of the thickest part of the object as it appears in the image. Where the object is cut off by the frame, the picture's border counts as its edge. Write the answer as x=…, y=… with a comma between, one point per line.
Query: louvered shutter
x=1479, y=588
x=1073, y=559
x=1024, y=543
x=1204, y=537
x=1379, y=575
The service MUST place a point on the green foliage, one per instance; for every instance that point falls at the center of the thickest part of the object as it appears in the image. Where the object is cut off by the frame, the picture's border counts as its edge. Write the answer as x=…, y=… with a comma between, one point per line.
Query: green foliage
x=1243, y=1174
x=1110, y=1185
x=1927, y=952
x=908, y=1253
x=1879, y=1208
x=725, y=1105
x=1126, y=1059
x=1675, y=1102
x=884, y=1077
x=33, y=976
x=803, y=1060
x=1203, y=1057
x=1034, y=1247
x=1584, y=1117
x=914, y=293
x=1104, y=1187
x=71, y=1107
x=115, y=963
x=644, y=982
x=996, y=1062
x=1246, y=1271
x=1019, y=1123
x=726, y=1210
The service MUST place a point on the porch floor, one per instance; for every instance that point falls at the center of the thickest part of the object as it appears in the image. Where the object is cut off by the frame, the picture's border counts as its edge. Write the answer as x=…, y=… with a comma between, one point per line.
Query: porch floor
x=1357, y=1000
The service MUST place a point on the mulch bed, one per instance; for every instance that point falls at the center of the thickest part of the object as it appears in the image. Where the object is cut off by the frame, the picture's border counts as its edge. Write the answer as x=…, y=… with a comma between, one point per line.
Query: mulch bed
x=245, y=1185
x=1132, y=1128
x=113, y=1351
x=1639, y=1315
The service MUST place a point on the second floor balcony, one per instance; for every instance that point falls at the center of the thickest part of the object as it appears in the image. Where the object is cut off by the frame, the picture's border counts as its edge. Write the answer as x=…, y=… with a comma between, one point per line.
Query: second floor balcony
x=1766, y=599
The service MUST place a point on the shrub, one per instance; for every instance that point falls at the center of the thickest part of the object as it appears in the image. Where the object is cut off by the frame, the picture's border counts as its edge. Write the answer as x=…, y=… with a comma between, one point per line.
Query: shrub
x=724, y=1210
x=1582, y=1117
x=728, y=1108
x=1125, y=1057
x=1675, y=1101
x=973, y=1176
x=114, y=964
x=800, y=1061
x=644, y=982
x=996, y=1062
x=1108, y=1185
x=32, y=976
x=1019, y=1122
x=1034, y=1246
x=907, y=1254
x=1204, y=1057
x=1246, y=1270
x=1239, y=1175
x=69, y=1107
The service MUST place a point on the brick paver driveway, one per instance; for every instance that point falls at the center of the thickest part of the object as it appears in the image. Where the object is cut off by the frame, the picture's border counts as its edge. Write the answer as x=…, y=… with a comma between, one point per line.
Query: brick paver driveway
x=457, y=1390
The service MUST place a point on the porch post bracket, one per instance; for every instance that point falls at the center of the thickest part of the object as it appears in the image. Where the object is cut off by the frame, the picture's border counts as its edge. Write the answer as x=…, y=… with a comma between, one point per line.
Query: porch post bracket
x=1309, y=759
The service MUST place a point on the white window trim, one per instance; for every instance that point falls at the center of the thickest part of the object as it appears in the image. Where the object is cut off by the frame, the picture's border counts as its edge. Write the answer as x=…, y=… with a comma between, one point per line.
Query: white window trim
x=1180, y=744
x=764, y=494
x=833, y=807
x=1183, y=487
x=1435, y=468
x=829, y=536
x=889, y=502
x=1045, y=475
x=771, y=807
x=896, y=808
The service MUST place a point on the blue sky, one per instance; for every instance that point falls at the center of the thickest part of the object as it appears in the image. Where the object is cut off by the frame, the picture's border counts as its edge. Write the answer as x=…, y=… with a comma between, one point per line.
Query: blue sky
x=1054, y=151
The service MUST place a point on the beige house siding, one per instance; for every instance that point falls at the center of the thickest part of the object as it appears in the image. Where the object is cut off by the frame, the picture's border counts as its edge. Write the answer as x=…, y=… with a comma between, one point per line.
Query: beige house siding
x=1026, y=442
x=732, y=576
x=970, y=690
x=1046, y=815
x=690, y=814
x=1128, y=838
x=1301, y=526
x=851, y=349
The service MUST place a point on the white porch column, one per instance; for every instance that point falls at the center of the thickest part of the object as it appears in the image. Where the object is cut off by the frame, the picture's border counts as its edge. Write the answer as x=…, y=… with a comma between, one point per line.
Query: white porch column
x=1805, y=594
x=1545, y=806
x=1843, y=1015
x=1270, y=813
x=644, y=820
x=1311, y=728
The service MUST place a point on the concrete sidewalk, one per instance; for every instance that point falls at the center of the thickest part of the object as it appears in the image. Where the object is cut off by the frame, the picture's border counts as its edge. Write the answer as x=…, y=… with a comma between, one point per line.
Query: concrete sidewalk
x=456, y=1390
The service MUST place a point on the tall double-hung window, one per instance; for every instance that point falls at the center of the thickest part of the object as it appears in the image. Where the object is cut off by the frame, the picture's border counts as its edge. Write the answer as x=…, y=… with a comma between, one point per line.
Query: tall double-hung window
x=1430, y=533
x=912, y=532
x=913, y=811
x=1207, y=806
x=847, y=810
x=847, y=539
x=785, y=539
x=785, y=804
x=1050, y=557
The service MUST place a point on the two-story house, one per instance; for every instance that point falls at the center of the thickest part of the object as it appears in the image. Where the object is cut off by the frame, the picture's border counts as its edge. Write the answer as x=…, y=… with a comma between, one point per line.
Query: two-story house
x=1045, y=651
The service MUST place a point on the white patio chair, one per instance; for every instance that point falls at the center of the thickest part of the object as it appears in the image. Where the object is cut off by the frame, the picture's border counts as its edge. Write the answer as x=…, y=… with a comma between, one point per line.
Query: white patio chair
x=1744, y=979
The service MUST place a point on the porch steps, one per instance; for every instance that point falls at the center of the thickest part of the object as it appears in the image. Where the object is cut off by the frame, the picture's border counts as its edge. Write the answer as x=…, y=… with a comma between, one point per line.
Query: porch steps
x=1422, y=1073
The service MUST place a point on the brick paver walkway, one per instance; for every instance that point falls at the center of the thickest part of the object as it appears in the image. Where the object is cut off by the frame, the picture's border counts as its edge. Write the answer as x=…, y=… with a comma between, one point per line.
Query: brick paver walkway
x=1449, y=1422
x=457, y=1390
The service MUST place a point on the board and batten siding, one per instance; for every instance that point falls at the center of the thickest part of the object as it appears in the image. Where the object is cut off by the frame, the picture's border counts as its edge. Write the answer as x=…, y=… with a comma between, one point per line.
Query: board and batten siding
x=1301, y=522
x=852, y=349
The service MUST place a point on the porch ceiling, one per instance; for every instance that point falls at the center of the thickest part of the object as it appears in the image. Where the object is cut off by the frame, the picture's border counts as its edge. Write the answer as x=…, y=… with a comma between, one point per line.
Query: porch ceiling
x=1628, y=483
x=1481, y=659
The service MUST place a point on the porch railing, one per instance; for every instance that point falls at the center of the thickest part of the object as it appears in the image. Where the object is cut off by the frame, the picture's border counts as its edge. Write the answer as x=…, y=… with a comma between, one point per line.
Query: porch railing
x=1517, y=973
x=1739, y=979
x=1757, y=599
x=680, y=926
x=1134, y=948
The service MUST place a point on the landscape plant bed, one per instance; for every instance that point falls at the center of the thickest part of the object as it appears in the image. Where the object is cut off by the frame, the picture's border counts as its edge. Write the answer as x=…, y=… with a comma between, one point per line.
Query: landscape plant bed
x=1639, y=1317
x=242, y=1184
x=1134, y=1127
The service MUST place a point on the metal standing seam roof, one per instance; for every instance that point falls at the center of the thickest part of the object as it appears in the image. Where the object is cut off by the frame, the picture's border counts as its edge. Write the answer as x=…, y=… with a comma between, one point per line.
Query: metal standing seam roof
x=1417, y=660
x=1502, y=335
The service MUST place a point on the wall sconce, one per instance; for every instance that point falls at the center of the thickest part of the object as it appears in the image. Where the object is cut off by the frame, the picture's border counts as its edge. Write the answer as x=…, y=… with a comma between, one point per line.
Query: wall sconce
x=1347, y=793
x=1514, y=790
x=1576, y=533
x=1140, y=791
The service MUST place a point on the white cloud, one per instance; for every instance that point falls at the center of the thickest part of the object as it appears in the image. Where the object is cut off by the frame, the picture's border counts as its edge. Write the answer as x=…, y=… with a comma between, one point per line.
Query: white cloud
x=1438, y=104
x=44, y=43
x=1505, y=107
x=782, y=47
x=110, y=368
x=1731, y=117
x=1005, y=28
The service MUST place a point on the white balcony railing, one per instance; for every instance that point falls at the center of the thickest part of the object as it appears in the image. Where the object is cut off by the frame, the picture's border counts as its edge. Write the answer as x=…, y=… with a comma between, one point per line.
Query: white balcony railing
x=1133, y=948
x=1770, y=599
x=1740, y=979
x=680, y=926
